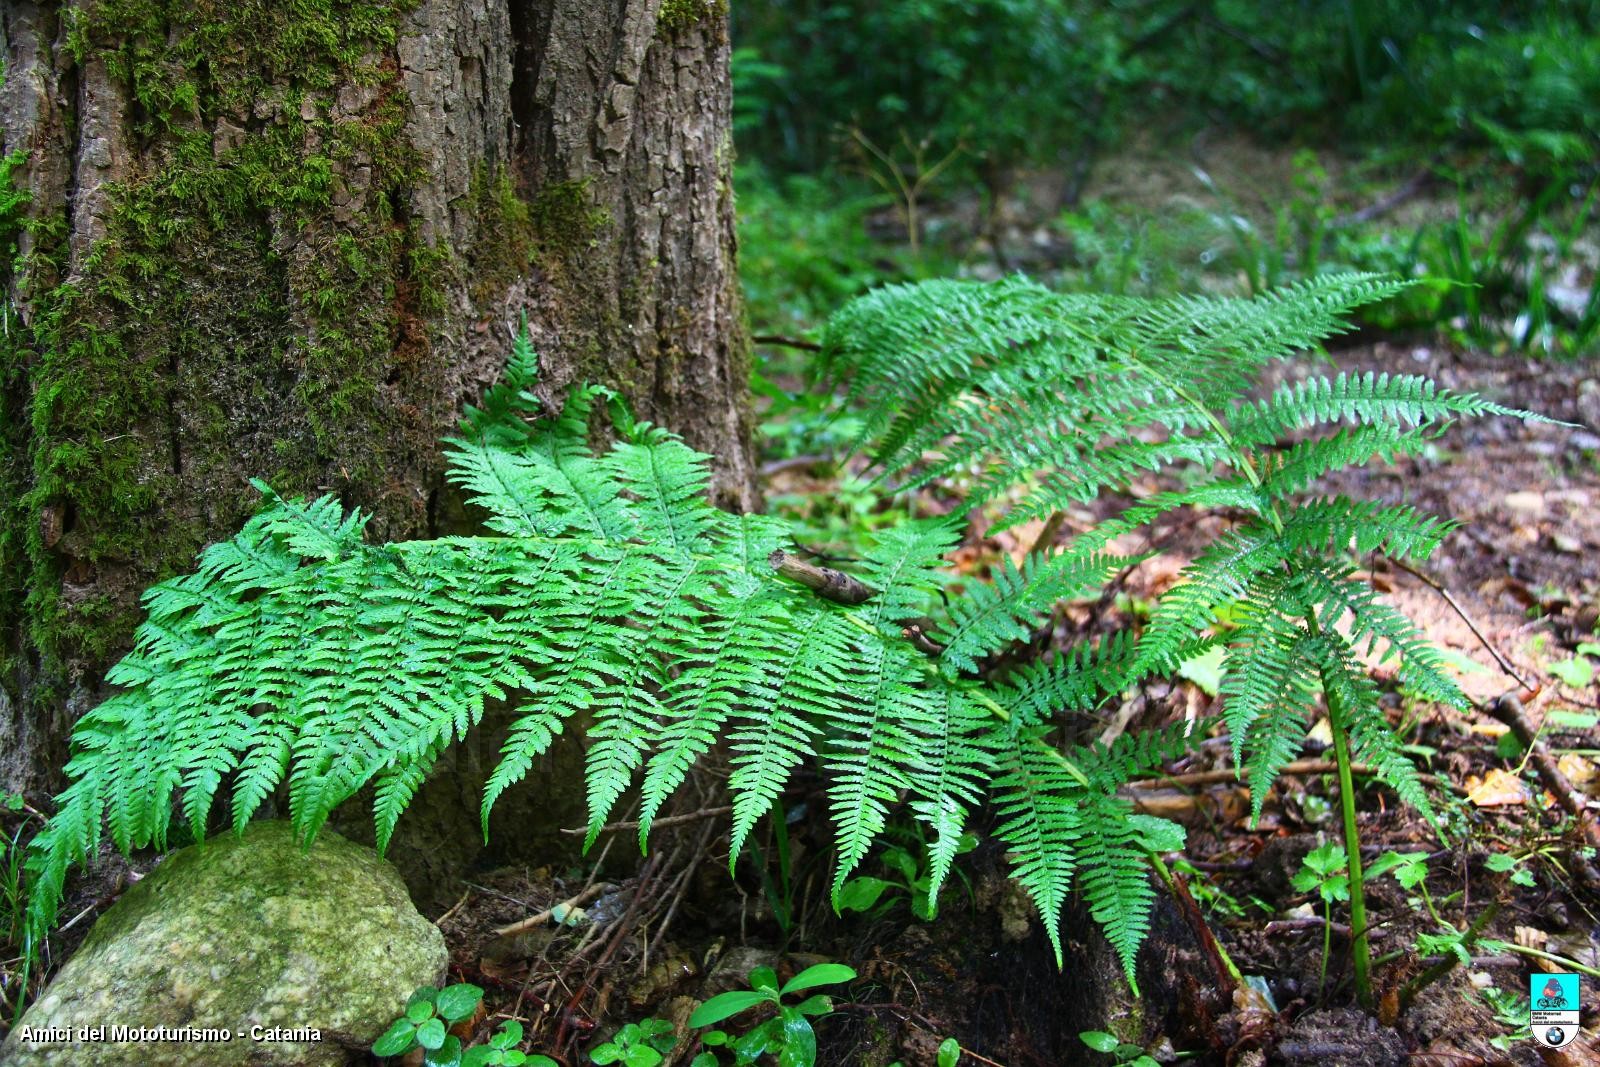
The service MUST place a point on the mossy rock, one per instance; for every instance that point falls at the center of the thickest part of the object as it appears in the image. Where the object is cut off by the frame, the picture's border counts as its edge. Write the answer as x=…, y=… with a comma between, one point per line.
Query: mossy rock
x=243, y=932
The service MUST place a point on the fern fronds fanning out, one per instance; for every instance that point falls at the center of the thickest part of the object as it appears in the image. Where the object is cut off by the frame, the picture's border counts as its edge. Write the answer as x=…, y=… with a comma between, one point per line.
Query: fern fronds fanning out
x=1023, y=383
x=1048, y=400
x=610, y=591
x=298, y=654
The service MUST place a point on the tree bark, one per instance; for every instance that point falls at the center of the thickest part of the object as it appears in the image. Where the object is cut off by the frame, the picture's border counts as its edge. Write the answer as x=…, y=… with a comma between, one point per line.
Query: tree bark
x=290, y=241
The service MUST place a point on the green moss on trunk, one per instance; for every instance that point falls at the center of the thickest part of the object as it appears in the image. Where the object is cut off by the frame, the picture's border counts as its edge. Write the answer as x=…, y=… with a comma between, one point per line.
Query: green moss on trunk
x=679, y=15
x=256, y=270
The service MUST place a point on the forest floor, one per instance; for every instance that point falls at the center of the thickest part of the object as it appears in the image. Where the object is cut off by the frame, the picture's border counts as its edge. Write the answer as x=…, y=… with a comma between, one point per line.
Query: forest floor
x=1523, y=576
x=619, y=939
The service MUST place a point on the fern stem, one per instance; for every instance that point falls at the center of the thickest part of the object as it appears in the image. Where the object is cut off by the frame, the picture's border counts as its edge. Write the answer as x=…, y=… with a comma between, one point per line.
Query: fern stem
x=1005, y=716
x=1176, y=889
x=1360, y=944
x=1327, y=946
x=1549, y=957
x=1449, y=960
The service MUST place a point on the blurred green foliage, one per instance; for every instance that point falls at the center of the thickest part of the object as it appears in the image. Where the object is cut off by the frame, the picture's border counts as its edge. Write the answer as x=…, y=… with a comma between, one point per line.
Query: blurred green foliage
x=1008, y=80
x=1039, y=81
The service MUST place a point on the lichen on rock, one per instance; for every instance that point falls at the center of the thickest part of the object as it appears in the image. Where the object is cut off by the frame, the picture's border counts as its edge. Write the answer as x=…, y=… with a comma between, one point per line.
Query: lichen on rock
x=239, y=933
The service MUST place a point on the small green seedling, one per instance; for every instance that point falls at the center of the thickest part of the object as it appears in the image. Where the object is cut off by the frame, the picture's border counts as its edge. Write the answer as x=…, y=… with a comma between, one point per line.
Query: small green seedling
x=428, y=1017
x=949, y=1053
x=1126, y=1055
x=1512, y=1012
x=1501, y=862
x=1410, y=869
x=641, y=1044
x=1578, y=672
x=502, y=1051
x=1327, y=871
x=915, y=878
x=788, y=1034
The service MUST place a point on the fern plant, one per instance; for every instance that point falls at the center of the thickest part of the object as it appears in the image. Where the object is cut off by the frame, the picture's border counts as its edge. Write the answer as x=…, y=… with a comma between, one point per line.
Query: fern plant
x=1047, y=400
x=299, y=658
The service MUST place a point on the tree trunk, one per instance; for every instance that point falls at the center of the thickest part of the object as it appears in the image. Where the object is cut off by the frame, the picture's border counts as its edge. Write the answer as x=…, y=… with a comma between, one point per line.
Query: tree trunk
x=290, y=241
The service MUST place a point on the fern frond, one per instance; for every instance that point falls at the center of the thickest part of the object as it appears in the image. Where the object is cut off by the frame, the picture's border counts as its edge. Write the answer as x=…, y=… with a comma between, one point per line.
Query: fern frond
x=1268, y=685
x=1116, y=884
x=1363, y=399
x=1338, y=523
x=1072, y=680
x=870, y=749
x=1286, y=473
x=1042, y=823
x=298, y=654
x=776, y=734
x=1340, y=594
x=1218, y=576
x=1353, y=698
x=698, y=700
x=1135, y=755
x=991, y=616
x=669, y=480
x=953, y=763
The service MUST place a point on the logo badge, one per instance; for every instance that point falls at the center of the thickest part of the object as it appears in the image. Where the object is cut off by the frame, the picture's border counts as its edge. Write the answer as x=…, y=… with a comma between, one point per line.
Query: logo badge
x=1553, y=1008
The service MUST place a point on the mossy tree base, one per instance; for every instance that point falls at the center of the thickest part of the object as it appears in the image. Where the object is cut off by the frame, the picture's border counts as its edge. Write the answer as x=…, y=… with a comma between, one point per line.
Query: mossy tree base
x=290, y=241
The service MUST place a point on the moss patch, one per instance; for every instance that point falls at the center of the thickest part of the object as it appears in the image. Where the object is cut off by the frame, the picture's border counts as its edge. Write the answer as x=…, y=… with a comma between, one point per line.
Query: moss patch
x=13, y=422
x=515, y=233
x=257, y=270
x=679, y=15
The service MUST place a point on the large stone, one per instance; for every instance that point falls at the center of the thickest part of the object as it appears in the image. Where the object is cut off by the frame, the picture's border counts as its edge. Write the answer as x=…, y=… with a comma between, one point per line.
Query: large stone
x=243, y=934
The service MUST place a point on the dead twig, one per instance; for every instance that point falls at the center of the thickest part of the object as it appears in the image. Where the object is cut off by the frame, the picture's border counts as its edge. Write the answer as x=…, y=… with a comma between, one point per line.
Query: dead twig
x=1304, y=767
x=540, y=918
x=921, y=641
x=1505, y=664
x=440, y=921
x=658, y=824
x=786, y=342
x=826, y=582
x=647, y=884
x=1310, y=922
x=1507, y=709
x=676, y=894
x=127, y=879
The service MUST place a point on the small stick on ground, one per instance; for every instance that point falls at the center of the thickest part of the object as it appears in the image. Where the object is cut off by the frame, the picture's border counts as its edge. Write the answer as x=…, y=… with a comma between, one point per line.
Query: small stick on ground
x=1507, y=709
x=540, y=918
x=676, y=893
x=786, y=342
x=1505, y=664
x=440, y=921
x=1304, y=767
x=826, y=582
x=658, y=824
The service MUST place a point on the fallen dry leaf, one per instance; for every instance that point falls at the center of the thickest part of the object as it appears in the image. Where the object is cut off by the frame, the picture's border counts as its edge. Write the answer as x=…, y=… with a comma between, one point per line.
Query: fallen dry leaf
x=1579, y=771
x=1529, y=937
x=1526, y=500
x=1497, y=789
